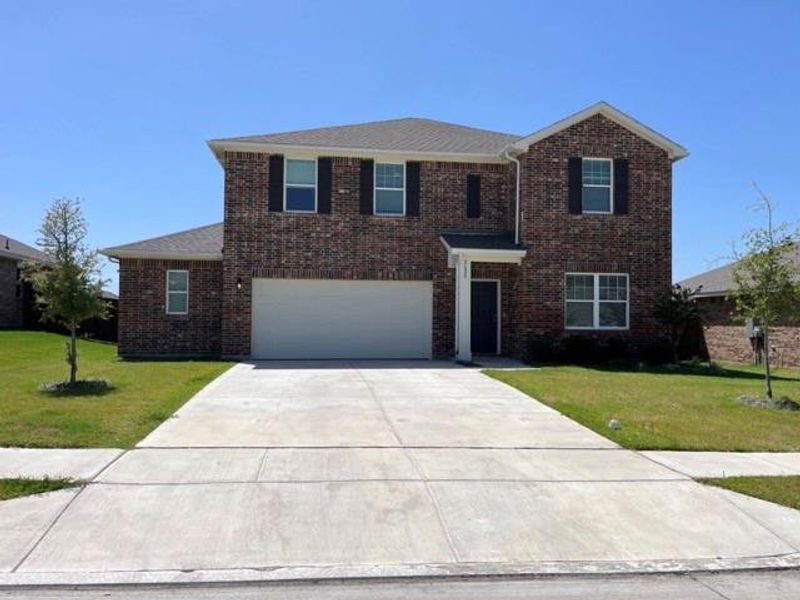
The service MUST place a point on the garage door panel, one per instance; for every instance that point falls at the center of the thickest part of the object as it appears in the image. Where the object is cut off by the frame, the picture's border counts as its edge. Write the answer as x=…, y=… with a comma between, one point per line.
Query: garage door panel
x=341, y=319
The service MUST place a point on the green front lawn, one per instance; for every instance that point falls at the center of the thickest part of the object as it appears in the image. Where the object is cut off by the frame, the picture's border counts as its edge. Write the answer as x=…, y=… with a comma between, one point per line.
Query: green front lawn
x=145, y=393
x=780, y=490
x=14, y=488
x=685, y=408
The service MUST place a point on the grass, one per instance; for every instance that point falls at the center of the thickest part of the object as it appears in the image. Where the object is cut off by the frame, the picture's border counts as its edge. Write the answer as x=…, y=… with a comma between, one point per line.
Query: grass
x=780, y=490
x=679, y=408
x=145, y=393
x=14, y=488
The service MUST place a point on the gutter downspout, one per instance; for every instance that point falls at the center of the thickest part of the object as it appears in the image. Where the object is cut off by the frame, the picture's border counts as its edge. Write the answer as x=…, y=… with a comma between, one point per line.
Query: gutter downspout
x=508, y=156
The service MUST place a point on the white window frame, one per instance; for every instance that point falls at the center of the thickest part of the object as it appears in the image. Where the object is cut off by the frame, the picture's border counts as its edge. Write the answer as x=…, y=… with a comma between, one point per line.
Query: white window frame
x=375, y=189
x=175, y=312
x=286, y=184
x=610, y=187
x=596, y=303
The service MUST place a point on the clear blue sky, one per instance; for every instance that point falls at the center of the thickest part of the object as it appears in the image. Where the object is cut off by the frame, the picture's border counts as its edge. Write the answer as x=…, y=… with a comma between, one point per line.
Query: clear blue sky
x=113, y=101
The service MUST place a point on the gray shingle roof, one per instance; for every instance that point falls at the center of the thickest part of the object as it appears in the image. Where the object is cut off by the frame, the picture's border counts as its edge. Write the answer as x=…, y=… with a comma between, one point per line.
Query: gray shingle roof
x=12, y=248
x=719, y=281
x=200, y=243
x=481, y=241
x=401, y=135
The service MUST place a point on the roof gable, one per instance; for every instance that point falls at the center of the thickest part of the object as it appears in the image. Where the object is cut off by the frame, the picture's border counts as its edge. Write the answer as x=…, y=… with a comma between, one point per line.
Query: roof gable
x=674, y=150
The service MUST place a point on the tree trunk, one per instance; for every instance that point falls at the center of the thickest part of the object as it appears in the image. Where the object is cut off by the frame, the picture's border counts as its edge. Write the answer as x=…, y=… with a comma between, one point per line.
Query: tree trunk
x=73, y=355
x=767, y=371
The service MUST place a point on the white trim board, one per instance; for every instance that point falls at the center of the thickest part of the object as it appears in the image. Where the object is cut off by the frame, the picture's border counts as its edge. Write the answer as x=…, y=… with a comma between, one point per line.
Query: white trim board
x=674, y=150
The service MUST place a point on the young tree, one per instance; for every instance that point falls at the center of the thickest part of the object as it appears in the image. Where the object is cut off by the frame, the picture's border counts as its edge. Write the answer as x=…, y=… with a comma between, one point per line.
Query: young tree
x=766, y=285
x=678, y=311
x=67, y=287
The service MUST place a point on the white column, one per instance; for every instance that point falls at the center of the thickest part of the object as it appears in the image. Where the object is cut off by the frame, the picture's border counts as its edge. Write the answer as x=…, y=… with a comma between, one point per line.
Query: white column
x=463, y=309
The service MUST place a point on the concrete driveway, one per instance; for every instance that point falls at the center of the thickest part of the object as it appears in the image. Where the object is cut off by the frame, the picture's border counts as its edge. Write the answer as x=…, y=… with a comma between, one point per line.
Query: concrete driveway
x=285, y=470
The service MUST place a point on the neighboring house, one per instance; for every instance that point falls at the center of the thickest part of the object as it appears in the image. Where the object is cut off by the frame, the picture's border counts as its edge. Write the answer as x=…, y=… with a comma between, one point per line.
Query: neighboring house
x=413, y=238
x=723, y=337
x=16, y=298
x=17, y=306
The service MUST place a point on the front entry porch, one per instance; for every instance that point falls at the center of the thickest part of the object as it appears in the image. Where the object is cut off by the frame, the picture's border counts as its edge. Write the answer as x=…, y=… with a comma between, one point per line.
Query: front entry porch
x=478, y=302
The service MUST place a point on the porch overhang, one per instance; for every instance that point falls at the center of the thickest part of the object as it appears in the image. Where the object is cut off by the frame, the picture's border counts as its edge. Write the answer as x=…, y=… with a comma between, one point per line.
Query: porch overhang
x=463, y=249
x=482, y=247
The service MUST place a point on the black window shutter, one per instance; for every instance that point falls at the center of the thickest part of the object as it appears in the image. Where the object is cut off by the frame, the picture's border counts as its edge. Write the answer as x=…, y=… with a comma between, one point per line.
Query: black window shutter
x=575, y=170
x=275, y=201
x=367, y=184
x=412, y=189
x=621, y=186
x=324, y=185
x=473, y=196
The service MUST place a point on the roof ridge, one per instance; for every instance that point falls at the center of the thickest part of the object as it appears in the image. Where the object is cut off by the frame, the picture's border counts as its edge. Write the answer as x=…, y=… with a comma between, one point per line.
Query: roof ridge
x=368, y=123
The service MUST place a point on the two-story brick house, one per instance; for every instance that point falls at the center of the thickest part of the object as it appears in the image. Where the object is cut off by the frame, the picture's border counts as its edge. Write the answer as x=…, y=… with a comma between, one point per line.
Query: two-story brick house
x=413, y=238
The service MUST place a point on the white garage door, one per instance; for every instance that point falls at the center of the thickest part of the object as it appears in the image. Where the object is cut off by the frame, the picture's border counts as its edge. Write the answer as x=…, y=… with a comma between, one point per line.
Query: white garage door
x=299, y=318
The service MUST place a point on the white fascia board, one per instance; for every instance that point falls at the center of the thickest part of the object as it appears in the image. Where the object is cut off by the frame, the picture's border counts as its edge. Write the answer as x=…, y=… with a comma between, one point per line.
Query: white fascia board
x=490, y=256
x=112, y=253
x=674, y=150
x=219, y=147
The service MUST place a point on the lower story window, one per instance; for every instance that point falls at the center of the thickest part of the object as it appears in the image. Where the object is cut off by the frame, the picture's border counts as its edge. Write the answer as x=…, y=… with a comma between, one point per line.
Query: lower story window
x=596, y=301
x=177, y=292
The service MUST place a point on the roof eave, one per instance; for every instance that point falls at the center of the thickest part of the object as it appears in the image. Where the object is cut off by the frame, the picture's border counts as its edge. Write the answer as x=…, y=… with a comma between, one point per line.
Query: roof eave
x=219, y=147
x=674, y=150
x=117, y=253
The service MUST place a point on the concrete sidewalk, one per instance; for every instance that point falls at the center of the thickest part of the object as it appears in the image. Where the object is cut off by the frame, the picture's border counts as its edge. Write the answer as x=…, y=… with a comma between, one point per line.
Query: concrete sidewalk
x=55, y=463
x=335, y=470
x=728, y=464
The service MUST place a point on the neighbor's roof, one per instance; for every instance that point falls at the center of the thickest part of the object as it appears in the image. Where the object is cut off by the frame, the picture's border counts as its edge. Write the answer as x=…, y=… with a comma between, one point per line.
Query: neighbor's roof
x=428, y=138
x=12, y=248
x=200, y=243
x=410, y=135
x=480, y=241
x=719, y=281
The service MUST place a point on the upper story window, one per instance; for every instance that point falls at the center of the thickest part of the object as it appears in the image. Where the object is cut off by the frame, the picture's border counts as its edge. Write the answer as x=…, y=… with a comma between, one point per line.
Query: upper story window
x=177, y=292
x=390, y=189
x=596, y=301
x=597, y=192
x=301, y=186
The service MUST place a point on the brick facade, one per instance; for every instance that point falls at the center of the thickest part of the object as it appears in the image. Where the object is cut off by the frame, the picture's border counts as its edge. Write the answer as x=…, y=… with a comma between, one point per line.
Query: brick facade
x=145, y=328
x=348, y=245
x=726, y=340
x=10, y=300
x=638, y=243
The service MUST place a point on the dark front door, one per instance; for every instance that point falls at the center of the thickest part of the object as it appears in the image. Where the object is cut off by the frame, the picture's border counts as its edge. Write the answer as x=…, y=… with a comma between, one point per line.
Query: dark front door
x=484, y=317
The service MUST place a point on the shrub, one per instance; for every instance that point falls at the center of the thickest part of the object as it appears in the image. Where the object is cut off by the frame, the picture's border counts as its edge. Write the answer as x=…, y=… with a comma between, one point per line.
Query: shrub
x=579, y=349
x=658, y=351
x=542, y=349
x=615, y=349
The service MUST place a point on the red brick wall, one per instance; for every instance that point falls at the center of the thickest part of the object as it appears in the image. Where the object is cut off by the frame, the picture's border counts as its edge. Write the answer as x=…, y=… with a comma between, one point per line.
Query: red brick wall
x=726, y=340
x=144, y=326
x=638, y=243
x=10, y=304
x=346, y=244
